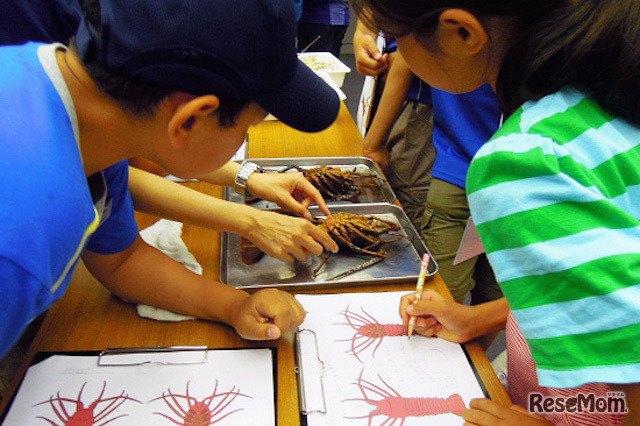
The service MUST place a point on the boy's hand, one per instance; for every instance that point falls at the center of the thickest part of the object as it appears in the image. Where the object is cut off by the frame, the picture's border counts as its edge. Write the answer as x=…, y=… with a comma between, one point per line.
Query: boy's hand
x=267, y=314
x=369, y=60
x=379, y=154
x=487, y=412
x=291, y=191
x=288, y=238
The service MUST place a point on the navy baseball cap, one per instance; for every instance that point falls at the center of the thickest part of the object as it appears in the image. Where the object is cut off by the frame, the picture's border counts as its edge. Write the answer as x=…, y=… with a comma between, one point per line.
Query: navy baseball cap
x=238, y=49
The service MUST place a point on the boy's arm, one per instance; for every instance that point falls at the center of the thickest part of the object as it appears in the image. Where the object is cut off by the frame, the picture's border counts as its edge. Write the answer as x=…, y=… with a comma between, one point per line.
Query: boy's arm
x=280, y=236
x=393, y=95
x=224, y=176
x=143, y=274
x=291, y=191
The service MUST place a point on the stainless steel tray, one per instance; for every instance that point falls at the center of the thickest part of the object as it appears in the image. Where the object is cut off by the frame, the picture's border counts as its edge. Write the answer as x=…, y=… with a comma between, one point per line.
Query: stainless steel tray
x=402, y=265
x=378, y=193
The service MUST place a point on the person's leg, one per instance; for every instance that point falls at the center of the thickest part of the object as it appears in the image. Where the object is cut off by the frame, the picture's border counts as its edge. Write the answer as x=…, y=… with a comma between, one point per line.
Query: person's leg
x=337, y=35
x=307, y=33
x=486, y=289
x=330, y=40
x=412, y=156
x=445, y=216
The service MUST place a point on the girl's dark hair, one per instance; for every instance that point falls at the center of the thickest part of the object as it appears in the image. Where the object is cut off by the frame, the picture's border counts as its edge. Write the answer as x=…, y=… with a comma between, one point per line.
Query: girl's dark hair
x=588, y=44
x=140, y=97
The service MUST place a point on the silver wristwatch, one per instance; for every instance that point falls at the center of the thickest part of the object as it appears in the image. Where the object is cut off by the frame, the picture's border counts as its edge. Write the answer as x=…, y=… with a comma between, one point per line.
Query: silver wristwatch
x=247, y=168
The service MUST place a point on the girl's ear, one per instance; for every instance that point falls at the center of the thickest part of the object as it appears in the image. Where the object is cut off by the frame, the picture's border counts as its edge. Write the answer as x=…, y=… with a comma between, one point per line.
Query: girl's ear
x=187, y=114
x=461, y=31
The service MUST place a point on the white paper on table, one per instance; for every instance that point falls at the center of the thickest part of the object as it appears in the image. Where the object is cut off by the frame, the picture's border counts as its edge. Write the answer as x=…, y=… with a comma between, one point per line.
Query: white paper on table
x=244, y=380
x=394, y=365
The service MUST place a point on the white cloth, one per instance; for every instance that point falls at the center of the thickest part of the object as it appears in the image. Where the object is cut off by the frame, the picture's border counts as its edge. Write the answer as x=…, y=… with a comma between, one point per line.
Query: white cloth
x=365, y=105
x=166, y=236
x=173, y=178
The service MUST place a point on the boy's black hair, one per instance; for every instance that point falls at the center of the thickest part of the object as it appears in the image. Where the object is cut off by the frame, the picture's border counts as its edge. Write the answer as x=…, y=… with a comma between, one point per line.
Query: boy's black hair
x=139, y=97
x=588, y=44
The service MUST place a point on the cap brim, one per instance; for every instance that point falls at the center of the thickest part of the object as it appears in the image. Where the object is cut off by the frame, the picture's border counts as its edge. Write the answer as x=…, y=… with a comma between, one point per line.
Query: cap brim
x=305, y=103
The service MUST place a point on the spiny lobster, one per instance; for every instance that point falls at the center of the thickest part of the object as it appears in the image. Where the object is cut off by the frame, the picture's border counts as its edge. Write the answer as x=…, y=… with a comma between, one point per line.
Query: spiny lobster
x=358, y=233
x=334, y=183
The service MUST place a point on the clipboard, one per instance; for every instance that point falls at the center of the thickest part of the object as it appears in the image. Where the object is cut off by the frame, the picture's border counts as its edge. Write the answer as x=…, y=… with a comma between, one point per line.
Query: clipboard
x=334, y=383
x=311, y=397
x=311, y=393
x=143, y=383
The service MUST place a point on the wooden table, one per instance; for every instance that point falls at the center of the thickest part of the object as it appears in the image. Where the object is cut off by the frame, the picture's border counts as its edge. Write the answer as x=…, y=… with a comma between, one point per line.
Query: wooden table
x=88, y=317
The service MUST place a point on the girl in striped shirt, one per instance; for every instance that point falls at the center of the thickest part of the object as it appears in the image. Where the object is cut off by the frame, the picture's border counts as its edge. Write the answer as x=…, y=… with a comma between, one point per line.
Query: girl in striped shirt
x=555, y=194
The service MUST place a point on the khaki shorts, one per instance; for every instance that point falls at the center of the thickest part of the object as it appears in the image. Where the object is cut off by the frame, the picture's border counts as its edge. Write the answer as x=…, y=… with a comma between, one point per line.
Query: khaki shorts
x=412, y=156
x=443, y=222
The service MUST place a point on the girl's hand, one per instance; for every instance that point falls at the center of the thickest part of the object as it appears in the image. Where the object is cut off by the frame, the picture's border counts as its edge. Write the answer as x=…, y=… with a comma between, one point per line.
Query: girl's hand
x=487, y=412
x=438, y=316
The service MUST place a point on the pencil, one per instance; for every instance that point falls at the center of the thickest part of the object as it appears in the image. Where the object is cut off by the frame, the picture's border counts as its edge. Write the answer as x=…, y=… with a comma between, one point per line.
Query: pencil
x=419, y=285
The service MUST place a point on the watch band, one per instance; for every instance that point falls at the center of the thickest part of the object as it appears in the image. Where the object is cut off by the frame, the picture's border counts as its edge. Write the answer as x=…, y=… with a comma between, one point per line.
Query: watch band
x=247, y=168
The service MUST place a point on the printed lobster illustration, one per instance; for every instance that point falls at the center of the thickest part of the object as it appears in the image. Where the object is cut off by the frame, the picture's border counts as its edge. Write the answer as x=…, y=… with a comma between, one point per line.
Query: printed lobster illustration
x=397, y=408
x=85, y=416
x=368, y=331
x=193, y=412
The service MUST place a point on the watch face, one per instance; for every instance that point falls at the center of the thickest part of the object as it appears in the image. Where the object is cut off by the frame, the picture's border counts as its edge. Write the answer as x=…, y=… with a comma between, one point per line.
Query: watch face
x=246, y=170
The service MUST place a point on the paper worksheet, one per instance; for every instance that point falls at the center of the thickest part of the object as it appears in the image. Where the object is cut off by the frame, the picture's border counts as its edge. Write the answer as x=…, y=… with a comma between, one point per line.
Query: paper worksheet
x=372, y=373
x=232, y=387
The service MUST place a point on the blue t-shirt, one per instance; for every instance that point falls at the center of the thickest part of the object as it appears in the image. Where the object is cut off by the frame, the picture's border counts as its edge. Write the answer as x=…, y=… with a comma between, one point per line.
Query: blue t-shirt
x=418, y=90
x=298, y=5
x=462, y=123
x=47, y=213
x=325, y=12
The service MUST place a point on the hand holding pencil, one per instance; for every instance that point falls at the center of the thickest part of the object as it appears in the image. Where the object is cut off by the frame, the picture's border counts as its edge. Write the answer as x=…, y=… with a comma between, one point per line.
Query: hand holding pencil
x=419, y=286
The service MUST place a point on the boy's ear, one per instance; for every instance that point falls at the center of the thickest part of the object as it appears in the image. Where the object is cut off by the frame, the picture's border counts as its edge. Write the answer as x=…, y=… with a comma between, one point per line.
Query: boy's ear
x=187, y=114
x=461, y=30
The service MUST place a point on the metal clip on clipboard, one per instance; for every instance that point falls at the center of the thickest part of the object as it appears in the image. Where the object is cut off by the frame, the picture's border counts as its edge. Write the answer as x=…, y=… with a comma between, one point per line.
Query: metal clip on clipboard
x=310, y=370
x=171, y=355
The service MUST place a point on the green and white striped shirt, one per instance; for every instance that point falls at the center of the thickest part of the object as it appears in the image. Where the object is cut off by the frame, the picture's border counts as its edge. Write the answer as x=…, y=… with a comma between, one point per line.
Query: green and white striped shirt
x=555, y=195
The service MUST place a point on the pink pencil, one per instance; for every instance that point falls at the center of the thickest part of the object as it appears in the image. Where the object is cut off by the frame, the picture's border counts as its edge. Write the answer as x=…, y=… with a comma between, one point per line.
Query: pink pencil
x=419, y=285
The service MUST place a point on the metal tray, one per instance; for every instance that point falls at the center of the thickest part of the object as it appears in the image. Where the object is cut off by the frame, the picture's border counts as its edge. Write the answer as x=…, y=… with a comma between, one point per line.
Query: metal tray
x=402, y=265
x=379, y=193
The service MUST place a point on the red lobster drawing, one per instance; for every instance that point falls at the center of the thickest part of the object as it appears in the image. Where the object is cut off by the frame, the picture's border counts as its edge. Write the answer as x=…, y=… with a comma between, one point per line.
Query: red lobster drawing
x=396, y=407
x=199, y=413
x=85, y=416
x=368, y=331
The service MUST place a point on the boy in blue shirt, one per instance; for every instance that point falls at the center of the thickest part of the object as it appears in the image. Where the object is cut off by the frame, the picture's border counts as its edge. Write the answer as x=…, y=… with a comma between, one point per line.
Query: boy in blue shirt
x=159, y=81
x=462, y=123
